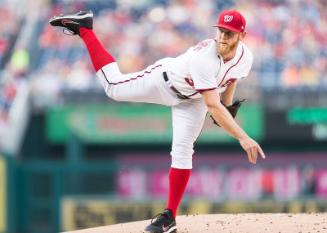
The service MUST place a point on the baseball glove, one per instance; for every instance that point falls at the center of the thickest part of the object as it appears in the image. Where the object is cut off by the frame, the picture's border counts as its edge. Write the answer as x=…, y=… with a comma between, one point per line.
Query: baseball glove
x=232, y=109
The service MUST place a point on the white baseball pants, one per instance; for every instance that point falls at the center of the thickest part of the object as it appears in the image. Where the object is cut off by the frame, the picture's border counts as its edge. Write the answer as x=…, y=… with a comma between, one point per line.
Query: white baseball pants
x=148, y=86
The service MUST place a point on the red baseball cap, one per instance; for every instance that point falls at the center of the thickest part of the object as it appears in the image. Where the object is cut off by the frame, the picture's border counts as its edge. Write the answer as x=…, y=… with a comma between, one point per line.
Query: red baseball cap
x=231, y=20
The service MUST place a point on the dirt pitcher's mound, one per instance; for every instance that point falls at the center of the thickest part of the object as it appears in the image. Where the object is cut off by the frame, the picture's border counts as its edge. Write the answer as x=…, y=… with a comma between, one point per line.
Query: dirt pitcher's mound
x=231, y=223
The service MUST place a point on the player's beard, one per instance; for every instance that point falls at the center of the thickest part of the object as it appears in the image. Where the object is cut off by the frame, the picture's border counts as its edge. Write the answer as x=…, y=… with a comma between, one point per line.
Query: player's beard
x=225, y=49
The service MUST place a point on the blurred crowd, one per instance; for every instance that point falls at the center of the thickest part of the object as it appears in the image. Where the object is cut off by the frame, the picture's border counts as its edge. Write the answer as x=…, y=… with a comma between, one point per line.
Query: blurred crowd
x=10, y=23
x=288, y=39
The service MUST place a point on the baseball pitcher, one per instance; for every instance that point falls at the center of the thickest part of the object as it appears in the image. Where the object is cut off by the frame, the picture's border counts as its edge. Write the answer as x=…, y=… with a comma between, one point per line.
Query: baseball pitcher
x=201, y=80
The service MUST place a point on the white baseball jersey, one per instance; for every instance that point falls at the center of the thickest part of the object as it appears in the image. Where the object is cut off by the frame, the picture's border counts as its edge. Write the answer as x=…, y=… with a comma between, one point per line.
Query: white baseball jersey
x=200, y=68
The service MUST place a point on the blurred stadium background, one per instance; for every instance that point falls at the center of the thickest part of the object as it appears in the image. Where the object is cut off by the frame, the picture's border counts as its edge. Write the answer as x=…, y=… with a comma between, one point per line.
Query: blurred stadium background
x=71, y=158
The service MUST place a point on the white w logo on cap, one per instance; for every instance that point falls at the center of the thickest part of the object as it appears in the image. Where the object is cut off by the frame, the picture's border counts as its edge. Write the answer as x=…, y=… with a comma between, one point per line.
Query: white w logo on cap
x=228, y=18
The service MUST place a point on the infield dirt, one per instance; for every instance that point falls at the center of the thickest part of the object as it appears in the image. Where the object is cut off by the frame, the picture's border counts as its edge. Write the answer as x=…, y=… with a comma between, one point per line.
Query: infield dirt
x=231, y=223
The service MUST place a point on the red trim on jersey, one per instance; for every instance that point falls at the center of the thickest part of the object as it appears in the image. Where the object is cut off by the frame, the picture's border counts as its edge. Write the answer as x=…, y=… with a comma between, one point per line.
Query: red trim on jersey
x=208, y=89
x=194, y=94
x=189, y=81
x=232, y=66
x=131, y=79
x=229, y=82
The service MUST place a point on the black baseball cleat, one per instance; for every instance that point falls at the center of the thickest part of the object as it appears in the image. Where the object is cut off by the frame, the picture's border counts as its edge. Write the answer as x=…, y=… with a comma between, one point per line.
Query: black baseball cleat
x=164, y=222
x=73, y=22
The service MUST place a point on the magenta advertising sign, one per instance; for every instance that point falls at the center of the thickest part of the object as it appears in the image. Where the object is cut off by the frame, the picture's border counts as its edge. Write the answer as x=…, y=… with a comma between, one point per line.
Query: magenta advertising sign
x=207, y=183
x=132, y=184
x=244, y=184
x=158, y=181
x=286, y=183
x=227, y=177
x=321, y=184
x=215, y=184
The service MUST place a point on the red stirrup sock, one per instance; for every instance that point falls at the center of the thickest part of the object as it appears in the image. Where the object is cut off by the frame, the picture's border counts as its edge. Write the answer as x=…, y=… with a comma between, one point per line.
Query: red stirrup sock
x=178, y=179
x=99, y=56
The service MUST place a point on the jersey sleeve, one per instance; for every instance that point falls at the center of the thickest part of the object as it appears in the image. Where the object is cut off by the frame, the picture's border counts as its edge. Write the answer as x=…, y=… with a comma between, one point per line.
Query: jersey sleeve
x=202, y=72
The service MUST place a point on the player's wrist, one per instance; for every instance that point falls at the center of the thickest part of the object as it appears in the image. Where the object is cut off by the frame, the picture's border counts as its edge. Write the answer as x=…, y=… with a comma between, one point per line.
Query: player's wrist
x=243, y=137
